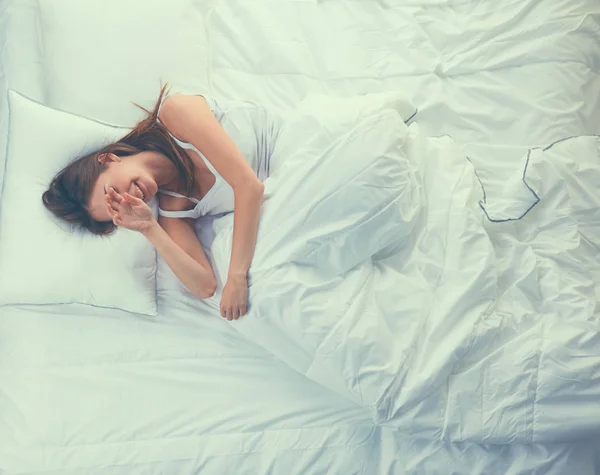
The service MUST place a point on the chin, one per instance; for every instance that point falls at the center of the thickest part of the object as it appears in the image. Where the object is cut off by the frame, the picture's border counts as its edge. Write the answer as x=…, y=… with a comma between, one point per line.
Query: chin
x=153, y=190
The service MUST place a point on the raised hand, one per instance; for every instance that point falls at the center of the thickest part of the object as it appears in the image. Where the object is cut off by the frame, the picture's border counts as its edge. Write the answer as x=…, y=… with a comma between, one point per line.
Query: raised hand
x=129, y=212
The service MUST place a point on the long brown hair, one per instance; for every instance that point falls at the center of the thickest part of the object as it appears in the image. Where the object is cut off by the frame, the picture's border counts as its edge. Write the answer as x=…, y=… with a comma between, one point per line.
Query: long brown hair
x=69, y=192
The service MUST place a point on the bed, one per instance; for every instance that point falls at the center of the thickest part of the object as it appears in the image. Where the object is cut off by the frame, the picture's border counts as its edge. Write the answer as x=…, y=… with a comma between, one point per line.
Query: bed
x=512, y=92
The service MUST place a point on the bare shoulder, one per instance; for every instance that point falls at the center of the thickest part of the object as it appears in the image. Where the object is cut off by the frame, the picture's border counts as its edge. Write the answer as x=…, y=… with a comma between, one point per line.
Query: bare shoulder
x=177, y=108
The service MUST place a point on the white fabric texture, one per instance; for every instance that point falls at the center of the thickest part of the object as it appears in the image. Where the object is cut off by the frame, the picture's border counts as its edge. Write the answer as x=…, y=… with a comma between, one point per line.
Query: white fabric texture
x=120, y=50
x=466, y=293
x=485, y=332
x=44, y=260
x=341, y=176
x=20, y=60
x=93, y=390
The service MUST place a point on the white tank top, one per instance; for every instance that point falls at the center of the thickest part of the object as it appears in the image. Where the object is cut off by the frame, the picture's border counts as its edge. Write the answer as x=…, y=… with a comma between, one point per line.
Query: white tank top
x=254, y=131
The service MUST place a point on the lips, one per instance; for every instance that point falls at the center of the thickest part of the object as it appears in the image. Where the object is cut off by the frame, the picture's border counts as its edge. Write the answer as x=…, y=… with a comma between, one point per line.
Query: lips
x=144, y=190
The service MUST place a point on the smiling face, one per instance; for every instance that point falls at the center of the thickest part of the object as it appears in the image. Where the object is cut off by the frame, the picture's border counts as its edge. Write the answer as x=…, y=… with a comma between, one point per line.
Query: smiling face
x=125, y=174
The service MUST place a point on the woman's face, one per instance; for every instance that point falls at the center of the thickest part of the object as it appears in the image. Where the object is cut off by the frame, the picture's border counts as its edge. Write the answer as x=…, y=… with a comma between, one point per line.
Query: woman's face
x=125, y=174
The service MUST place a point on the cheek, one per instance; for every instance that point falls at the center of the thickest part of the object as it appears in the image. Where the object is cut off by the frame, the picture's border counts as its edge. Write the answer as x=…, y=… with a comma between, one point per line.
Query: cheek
x=119, y=179
x=97, y=202
x=101, y=206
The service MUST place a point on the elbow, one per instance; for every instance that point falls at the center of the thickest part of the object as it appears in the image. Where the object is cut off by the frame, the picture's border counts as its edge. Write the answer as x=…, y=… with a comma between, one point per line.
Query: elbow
x=208, y=290
x=260, y=187
x=211, y=290
x=253, y=188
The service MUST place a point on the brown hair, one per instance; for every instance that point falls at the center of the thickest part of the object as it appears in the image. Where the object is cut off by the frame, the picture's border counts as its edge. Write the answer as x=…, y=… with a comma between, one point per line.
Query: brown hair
x=70, y=190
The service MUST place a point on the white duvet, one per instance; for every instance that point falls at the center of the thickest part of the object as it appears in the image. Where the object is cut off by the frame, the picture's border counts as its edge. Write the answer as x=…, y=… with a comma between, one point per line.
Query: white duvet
x=387, y=283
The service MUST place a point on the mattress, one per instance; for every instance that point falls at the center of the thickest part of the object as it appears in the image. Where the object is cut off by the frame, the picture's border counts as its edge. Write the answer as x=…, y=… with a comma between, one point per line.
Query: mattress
x=90, y=390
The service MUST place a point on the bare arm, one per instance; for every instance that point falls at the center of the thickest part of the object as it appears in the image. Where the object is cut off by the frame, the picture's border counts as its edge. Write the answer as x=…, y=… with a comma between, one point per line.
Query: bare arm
x=247, y=203
x=190, y=119
x=174, y=239
x=199, y=279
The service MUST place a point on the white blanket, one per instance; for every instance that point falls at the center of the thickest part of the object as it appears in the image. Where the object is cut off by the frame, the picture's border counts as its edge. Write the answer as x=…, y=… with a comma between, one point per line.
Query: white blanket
x=338, y=171
x=472, y=330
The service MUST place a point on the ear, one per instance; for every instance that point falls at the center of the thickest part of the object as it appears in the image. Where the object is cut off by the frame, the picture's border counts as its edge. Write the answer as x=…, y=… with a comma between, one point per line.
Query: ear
x=108, y=157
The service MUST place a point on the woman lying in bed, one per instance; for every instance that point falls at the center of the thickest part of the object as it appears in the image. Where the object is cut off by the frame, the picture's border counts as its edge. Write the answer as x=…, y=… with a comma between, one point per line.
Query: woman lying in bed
x=181, y=152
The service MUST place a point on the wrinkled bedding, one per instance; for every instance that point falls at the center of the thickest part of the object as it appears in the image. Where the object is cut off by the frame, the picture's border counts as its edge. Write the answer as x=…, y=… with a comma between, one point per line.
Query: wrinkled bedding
x=446, y=324
x=98, y=391
x=339, y=175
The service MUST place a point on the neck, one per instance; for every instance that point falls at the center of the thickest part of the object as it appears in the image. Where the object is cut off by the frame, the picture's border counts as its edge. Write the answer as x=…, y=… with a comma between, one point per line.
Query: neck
x=163, y=169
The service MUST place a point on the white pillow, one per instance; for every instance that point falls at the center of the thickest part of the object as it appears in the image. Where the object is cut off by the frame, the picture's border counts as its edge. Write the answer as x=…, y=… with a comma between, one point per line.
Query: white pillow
x=101, y=55
x=42, y=259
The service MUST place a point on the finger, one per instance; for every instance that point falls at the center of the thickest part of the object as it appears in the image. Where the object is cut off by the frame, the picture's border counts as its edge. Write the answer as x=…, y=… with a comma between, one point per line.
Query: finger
x=111, y=210
x=116, y=217
x=132, y=199
x=113, y=201
x=115, y=196
x=243, y=310
x=229, y=314
x=235, y=313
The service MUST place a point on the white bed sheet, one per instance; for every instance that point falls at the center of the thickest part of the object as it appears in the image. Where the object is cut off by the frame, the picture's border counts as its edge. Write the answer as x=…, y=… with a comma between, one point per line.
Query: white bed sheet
x=91, y=388
x=87, y=390
x=20, y=66
x=526, y=74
